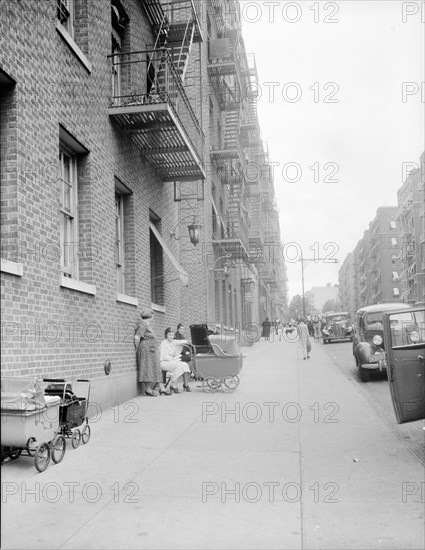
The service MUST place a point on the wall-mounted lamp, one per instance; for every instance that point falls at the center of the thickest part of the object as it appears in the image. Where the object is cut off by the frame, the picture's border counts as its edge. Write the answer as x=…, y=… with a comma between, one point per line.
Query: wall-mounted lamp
x=194, y=230
x=226, y=267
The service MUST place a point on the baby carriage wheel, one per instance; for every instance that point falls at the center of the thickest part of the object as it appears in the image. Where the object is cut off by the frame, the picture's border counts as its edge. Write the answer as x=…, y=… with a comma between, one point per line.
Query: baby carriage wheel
x=30, y=447
x=76, y=438
x=58, y=449
x=230, y=383
x=85, y=436
x=42, y=457
x=210, y=384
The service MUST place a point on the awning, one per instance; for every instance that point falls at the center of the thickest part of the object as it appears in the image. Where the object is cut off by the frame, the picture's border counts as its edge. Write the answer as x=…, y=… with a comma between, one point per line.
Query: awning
x=182, y=273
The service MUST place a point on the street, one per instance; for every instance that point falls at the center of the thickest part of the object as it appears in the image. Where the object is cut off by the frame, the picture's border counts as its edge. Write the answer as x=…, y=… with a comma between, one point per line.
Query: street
x=378, y=395
x=298, y=456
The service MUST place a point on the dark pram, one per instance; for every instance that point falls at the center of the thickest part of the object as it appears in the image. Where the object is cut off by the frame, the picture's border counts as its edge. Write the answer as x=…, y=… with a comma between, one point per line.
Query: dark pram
x=216, y=359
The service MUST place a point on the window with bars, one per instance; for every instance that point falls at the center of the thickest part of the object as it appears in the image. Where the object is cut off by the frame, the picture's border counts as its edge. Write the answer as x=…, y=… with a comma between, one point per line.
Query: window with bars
x=68, y=211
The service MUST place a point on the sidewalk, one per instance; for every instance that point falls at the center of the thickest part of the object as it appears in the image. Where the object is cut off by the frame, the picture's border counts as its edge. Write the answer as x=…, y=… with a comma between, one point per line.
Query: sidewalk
x=294, y=458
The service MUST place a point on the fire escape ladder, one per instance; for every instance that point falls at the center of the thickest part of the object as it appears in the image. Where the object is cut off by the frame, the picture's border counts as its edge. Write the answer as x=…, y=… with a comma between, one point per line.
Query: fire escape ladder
x=231, y=129
x=181, y=55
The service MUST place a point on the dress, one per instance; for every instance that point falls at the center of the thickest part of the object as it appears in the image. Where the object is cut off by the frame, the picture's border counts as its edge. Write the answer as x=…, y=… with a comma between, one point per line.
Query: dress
x=168, y=353
x=304, y=338
x=266, y=328
x=147, y=355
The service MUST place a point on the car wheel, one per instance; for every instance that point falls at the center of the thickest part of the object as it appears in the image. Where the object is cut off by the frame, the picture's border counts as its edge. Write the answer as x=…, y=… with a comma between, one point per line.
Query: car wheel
x=324, y=341
x=364, y=374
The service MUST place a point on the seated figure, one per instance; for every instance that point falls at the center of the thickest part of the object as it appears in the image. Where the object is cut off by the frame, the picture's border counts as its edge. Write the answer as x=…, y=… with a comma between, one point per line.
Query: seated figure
x=171, y=362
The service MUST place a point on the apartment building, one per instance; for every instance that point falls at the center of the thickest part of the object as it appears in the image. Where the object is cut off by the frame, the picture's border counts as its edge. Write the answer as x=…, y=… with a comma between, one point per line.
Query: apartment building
x=346, y=290
x=126, y=131
x=371, y=273
x=410, y=219
x=385, y=262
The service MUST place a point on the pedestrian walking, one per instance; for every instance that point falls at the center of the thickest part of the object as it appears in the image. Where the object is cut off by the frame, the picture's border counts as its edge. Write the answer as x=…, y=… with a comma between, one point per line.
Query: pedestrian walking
x=317, y=326
x=304, y=338
x=266, y=329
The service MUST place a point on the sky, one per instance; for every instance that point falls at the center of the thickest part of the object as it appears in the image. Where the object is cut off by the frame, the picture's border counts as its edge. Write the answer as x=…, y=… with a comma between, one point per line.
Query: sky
x=332, y=111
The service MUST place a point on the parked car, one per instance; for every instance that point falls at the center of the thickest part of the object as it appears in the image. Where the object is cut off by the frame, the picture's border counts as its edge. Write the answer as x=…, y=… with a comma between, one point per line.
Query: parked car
x=368, y=342
x=404, y=333
x=337, y=326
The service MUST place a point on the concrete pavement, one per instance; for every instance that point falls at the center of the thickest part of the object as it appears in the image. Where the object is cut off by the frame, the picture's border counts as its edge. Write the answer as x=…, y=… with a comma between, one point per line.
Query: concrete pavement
x=294, y=458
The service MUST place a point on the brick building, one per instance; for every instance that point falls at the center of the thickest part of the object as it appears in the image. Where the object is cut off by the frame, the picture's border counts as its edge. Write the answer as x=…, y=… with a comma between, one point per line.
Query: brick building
x=411, y=224
x=123, y=124
x=371, y=275
x=346, y=291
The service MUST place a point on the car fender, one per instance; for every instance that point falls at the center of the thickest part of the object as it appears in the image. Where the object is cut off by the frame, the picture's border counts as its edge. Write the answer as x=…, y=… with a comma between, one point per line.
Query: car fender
x=363, y=351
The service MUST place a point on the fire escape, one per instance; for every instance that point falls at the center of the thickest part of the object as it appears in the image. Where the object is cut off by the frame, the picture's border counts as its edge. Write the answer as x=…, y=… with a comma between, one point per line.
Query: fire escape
x=229, y=73
x=150, y=100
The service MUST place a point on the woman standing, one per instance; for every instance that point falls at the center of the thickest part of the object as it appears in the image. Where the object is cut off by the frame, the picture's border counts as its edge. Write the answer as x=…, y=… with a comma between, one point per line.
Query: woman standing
x=266, y=328
x=170, y=360
x=147, y=355
x=304, y=338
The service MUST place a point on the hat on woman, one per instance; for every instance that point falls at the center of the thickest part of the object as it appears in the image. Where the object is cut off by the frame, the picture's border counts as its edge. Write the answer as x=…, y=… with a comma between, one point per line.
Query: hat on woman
x=146, y=313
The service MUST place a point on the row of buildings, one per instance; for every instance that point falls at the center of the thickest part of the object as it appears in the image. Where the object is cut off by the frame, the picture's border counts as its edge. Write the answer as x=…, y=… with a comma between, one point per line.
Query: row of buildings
x=133, y=174
x=388, y=262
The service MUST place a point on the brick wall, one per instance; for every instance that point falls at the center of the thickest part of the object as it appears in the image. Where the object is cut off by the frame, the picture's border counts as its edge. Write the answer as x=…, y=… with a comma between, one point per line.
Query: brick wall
x=47, y=330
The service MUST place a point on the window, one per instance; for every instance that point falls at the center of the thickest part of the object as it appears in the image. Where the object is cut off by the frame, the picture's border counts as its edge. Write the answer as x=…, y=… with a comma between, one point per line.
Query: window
x=223, y=303
x=157, y=266
x=66, y=15
x=396, y=291
x=120, y=242
x=395, y=276
x=68, y=212
x=217, y=301
x=116, y=69
x=230, y=294
x=214, y=222
x=221, y=215
x=394, y=259
x=393, y=225
x=393, y=241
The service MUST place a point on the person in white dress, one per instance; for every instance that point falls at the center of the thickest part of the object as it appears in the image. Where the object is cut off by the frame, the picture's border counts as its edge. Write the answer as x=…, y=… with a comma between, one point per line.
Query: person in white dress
x=304, y=338
x=170, y=360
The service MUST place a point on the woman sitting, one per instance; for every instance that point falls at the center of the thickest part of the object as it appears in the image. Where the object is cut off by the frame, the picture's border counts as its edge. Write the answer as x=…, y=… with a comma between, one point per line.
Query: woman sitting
x=170, y=360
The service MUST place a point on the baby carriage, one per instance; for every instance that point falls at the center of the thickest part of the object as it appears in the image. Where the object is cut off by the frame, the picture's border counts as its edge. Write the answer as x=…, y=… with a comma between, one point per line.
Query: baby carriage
x=74, y=401
x=216, y=359
x=30, y=422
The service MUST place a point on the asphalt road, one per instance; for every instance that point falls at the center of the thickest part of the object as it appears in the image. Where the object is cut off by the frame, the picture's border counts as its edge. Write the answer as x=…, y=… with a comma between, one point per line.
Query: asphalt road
x=377, y=392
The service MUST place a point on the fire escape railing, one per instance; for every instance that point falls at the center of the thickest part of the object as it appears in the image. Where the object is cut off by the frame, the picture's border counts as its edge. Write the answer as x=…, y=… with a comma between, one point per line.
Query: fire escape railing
x=149, y=78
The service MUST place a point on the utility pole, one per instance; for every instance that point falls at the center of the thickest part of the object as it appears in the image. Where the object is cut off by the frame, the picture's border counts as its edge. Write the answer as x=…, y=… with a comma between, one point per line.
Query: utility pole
x=306, y=260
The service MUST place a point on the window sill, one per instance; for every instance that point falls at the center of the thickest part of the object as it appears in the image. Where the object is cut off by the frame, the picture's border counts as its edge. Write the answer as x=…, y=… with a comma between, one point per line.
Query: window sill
x=157, y=307
x=79, y=286
x=72, y=44
x=127, y=299
x=13, y=268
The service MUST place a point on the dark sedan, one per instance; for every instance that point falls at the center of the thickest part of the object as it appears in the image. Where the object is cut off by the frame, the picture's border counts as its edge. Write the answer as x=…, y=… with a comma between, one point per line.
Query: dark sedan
x=368, y=342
